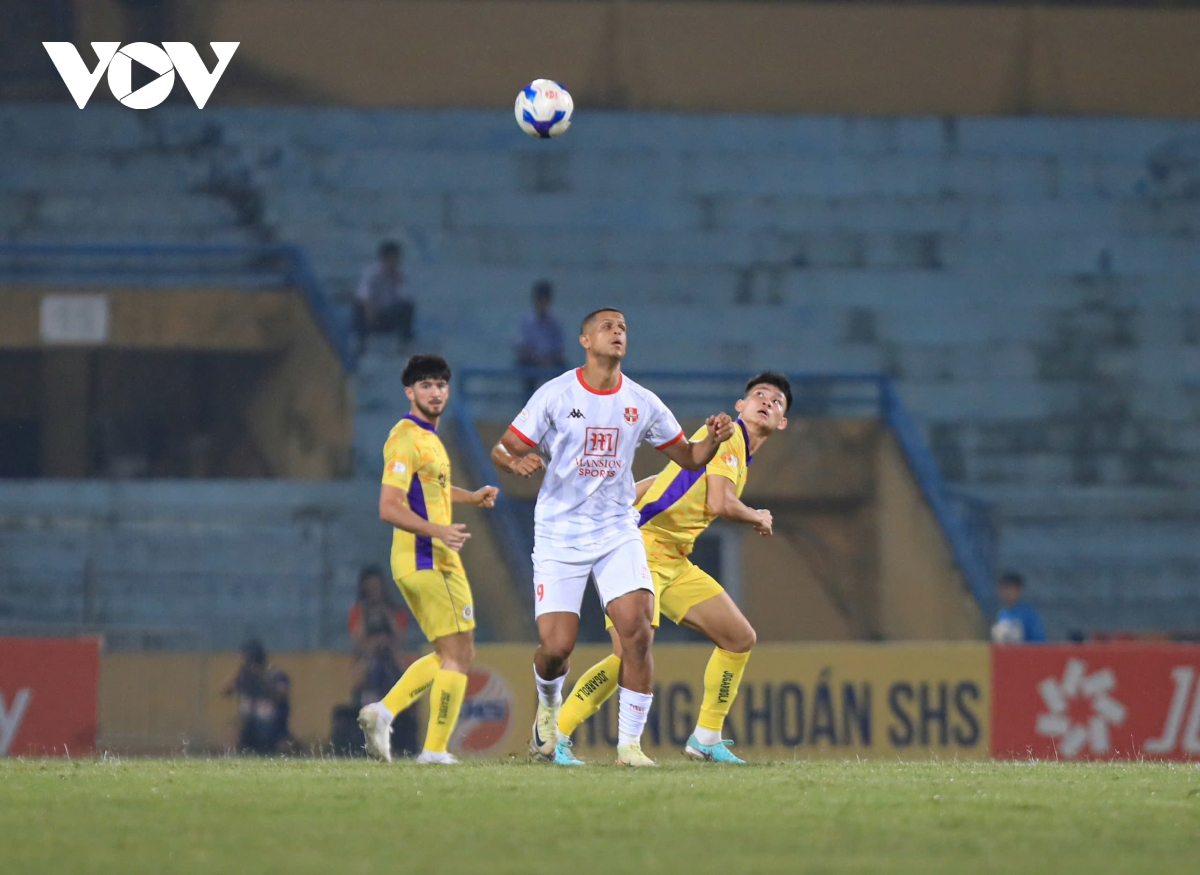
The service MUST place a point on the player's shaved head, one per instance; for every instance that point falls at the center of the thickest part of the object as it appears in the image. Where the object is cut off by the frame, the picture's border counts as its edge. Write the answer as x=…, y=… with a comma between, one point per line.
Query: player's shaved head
x=590, y=319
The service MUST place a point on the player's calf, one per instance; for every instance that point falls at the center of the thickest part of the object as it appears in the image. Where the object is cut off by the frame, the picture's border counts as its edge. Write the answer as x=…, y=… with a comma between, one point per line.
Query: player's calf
x=720, y=620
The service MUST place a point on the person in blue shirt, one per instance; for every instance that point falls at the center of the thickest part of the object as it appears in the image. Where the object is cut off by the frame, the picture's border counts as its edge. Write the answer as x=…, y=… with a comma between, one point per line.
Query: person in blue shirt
x=1017, y=621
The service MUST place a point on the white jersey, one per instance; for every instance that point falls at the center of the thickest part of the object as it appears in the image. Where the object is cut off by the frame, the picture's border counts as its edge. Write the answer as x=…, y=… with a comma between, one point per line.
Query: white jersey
x=588, y=438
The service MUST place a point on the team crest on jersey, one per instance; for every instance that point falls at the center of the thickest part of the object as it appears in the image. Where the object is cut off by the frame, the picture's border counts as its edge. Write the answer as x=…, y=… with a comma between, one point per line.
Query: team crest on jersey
x=631, y=415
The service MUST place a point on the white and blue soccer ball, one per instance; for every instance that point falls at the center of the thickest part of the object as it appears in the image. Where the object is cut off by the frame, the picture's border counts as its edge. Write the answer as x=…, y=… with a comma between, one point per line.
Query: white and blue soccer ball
x=544, y=109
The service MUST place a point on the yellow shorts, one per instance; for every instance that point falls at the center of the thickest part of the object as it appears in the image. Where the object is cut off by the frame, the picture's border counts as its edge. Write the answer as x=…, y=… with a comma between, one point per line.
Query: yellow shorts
x=678, y=586
x=440, y=600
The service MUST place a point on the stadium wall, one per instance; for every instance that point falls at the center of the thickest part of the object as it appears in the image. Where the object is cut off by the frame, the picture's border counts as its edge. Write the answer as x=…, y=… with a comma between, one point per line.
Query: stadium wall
x=296, y=409
x=909, y=701
x=699, y=56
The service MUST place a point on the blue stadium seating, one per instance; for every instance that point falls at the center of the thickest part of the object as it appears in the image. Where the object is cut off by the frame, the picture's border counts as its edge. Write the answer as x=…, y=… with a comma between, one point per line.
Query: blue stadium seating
x=1030, y=282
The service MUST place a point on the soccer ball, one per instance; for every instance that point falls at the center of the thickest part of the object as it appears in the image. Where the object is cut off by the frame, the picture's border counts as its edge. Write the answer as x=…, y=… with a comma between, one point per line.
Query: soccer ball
x=544, y=109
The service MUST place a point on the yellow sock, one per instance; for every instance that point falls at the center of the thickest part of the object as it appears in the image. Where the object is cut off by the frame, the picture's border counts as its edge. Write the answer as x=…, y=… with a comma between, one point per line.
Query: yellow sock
x=412, y=683
x=445, y=701
x=594, y=687
x=721, y=679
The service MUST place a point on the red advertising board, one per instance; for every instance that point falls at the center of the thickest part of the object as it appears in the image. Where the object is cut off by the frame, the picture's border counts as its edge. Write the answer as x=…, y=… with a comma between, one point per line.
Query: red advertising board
x=1096, y=702
x=48, y=695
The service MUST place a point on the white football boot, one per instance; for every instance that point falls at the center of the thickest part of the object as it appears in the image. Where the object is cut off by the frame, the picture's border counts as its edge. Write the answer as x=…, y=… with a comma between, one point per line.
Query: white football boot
x=377, y=729
x=545, y=733
x=428, y=757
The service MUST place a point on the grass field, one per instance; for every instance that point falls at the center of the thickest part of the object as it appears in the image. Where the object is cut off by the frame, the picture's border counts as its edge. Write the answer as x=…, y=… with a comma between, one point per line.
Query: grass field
x=339, y=816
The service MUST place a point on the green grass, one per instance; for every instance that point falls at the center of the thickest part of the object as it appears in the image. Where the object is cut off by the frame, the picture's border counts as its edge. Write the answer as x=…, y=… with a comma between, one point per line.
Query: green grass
x=339, y=816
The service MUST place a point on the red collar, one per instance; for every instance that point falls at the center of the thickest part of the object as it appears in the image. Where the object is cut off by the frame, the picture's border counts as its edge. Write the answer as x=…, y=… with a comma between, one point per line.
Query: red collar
x=620, y=383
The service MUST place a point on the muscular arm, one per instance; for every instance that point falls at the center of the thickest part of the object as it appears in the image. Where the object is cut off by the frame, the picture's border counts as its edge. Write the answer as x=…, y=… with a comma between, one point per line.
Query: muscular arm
x=643, y=486
x=723, y=501
x=515, y=456
x=394, y=510
x=484, y=496
x=694, y=456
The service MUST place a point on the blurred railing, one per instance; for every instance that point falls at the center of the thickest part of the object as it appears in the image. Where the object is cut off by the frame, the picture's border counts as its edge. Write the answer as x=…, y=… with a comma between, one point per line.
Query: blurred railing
x=153, y=265
x=966, y=520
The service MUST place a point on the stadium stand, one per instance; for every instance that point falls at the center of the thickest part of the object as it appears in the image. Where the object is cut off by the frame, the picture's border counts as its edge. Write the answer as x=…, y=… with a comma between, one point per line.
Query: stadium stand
x=1027, y=282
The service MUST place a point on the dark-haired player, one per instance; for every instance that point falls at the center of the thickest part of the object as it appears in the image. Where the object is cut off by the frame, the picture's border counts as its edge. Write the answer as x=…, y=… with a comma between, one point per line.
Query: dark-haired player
x=588, y=422
x=416, y=500
x=674, y=509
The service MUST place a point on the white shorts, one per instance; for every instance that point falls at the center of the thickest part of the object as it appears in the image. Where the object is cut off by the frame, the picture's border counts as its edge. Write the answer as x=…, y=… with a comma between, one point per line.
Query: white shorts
x=560, y=574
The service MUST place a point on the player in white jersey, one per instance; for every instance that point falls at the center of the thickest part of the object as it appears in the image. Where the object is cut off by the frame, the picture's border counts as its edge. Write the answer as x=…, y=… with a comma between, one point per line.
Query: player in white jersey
x=588, y=423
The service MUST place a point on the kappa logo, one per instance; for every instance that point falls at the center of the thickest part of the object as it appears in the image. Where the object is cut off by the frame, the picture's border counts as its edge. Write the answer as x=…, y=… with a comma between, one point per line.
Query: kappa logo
x=1059, y=695
x=575, y=414
x=118, y=61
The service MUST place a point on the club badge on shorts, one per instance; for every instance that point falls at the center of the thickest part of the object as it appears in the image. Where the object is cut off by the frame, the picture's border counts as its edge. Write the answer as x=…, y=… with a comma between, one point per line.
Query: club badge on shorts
x=631, y=415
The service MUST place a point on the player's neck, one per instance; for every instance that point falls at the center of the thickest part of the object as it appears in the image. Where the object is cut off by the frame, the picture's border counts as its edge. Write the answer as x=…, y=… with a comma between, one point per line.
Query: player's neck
x=602, y=374
x=756, y=436
x=420, y=417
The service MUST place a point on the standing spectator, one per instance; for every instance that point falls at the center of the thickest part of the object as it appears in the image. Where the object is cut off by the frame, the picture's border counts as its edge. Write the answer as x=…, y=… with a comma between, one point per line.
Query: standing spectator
x=1017, y=621
x=381, y=303
x=264, y=703
x=541, y=343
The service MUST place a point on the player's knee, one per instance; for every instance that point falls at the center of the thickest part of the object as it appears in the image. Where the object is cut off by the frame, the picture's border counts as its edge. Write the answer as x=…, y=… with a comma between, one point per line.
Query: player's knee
x=745, y=640
x=557, y=649
x=637, y=637
x=740, y=639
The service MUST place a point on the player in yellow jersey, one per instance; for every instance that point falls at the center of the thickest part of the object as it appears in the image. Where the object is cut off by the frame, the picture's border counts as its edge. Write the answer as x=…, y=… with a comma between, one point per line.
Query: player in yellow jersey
x=674, y=508
x=416, y=500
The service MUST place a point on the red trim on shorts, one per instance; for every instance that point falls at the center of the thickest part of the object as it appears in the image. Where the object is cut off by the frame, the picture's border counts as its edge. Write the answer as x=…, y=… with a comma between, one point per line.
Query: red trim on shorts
x=673, y=440
x=620, y=382
x=513, y=429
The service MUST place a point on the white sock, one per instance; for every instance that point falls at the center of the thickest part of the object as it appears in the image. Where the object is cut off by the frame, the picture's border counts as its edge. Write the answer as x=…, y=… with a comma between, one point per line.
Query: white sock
x=707, y=737
x=632, y=712
x=549, y=692
x=383, y=709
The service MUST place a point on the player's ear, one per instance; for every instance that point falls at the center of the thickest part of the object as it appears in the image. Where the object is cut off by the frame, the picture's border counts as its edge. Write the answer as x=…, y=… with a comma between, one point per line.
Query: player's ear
x=782, y=424
x=585, y=341
x=408, y=393
x=739, y=404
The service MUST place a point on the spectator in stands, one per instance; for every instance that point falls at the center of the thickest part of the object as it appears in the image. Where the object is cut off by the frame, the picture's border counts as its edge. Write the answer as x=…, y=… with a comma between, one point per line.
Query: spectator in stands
x=264, y=703
x=381, y=303
x=1017, y=621
x=377, y=629
x=541, y=344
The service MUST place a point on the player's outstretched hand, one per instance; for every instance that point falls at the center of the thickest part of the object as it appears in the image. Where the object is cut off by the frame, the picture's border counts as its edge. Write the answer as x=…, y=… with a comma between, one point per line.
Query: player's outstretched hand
x=527, y=465
x=765, y=525
x=485, y=496
x=720, y=427
x=454, y=536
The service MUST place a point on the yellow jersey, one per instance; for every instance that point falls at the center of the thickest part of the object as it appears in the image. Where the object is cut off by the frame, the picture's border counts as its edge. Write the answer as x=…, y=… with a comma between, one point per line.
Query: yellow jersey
x=675, y=510
x=415, y=460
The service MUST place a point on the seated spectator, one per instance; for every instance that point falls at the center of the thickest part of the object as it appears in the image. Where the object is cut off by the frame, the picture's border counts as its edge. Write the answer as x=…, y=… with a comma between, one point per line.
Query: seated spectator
x=1017, y=622
x=264, y=703
x=381, y=303
x=541, y=343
